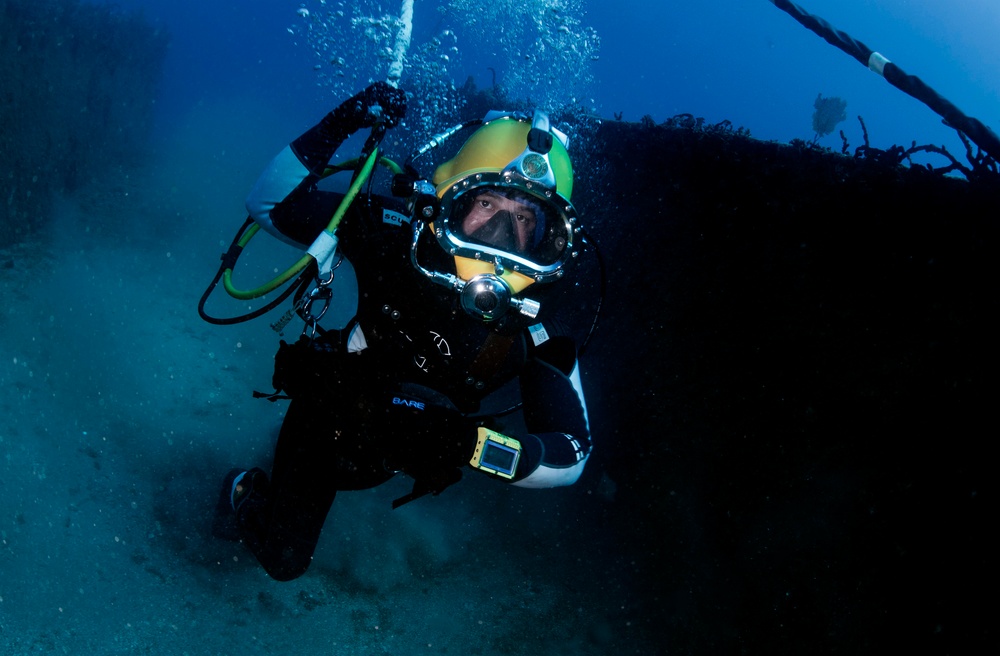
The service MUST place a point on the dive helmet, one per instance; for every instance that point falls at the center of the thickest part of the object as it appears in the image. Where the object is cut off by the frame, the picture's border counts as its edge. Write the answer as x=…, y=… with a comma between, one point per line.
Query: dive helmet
x=504, y=213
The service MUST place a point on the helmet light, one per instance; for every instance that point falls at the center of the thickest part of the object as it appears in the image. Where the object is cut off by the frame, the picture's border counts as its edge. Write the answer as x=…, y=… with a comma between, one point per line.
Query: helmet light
x=534, y=166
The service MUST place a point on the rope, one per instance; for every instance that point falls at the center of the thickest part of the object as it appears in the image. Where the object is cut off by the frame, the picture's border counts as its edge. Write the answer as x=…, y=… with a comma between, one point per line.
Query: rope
x=978, y=132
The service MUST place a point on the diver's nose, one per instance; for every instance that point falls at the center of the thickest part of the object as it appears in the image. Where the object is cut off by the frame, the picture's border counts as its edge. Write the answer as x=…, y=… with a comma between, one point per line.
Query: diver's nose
x=498, y=232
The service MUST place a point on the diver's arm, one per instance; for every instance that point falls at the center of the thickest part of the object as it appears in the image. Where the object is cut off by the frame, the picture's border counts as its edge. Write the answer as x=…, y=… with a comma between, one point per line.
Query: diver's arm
x=436, y=441
x=302, y=163
x=555, y=412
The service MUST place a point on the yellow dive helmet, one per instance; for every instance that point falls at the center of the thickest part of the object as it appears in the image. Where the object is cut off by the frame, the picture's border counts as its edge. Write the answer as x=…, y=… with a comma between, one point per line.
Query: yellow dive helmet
x=504, y=212
x=523, y=163
x=498, y=144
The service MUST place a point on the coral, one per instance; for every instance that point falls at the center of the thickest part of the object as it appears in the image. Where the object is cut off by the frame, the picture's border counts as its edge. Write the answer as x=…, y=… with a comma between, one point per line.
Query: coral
x=829, y=112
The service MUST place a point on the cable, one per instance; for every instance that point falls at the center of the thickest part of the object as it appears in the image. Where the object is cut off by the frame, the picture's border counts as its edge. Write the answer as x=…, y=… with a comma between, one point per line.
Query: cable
x=911, y=85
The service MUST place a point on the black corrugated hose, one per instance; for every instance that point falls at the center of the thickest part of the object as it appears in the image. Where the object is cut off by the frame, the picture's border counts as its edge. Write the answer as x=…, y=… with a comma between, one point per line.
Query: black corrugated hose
x=979, y=133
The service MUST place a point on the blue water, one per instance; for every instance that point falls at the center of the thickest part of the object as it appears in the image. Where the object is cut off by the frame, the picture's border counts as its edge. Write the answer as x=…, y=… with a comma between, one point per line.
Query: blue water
x=747, y=62
x=123, y=409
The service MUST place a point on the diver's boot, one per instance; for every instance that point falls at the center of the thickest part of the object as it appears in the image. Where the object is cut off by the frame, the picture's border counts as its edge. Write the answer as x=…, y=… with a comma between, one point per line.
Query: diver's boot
x=237, y=487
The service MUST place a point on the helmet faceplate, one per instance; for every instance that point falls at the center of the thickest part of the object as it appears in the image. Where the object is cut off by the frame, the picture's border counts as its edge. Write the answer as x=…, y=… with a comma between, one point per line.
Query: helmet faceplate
x=527, y=164
x=538, y=250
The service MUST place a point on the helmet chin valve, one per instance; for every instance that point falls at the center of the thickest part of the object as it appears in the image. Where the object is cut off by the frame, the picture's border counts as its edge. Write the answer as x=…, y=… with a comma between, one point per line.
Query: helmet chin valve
x=488, y=297
x=485, y=296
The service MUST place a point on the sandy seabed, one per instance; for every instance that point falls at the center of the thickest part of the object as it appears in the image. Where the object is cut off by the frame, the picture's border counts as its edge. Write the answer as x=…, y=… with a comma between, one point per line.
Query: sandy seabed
x=122, y=411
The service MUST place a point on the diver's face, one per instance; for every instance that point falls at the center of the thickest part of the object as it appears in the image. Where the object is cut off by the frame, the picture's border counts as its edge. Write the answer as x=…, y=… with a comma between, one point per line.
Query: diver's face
x=486, y=204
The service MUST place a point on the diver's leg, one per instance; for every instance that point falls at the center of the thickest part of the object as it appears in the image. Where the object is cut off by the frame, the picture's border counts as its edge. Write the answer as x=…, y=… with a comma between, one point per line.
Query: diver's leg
x=281, y=521
x=319, y=451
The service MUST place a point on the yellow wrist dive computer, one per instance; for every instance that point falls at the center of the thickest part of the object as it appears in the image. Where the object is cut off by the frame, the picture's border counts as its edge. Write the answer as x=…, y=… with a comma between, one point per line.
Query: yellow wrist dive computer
x=496, y=453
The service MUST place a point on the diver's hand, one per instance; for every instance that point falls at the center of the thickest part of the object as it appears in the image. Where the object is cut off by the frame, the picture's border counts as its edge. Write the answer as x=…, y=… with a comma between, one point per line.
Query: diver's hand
x=377, y=103
x=419, y=436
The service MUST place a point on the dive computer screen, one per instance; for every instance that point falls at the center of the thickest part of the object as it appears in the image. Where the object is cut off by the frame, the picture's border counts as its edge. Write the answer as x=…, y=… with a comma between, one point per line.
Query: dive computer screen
x=500, y=457
x=496, y=453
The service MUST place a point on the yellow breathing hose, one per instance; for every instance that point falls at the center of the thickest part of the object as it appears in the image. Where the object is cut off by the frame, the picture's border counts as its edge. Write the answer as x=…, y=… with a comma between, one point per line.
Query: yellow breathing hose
x=331, y=228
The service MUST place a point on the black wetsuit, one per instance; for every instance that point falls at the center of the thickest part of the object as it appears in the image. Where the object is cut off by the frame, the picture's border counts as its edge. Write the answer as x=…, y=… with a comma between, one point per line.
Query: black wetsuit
x=405, y=397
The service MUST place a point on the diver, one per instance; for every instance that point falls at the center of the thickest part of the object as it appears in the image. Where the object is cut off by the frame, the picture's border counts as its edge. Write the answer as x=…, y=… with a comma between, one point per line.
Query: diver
x=452, y=289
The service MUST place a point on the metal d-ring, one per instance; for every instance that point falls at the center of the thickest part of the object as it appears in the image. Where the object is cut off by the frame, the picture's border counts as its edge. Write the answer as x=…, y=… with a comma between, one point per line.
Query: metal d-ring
x=321, y=292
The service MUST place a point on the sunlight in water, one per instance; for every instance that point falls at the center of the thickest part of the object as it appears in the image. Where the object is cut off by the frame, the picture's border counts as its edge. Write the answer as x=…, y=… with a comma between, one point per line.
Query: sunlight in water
x=536, y=51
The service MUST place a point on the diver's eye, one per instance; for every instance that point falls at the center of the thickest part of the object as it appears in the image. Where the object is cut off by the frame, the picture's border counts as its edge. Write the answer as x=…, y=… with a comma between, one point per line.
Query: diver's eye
x=484, y=204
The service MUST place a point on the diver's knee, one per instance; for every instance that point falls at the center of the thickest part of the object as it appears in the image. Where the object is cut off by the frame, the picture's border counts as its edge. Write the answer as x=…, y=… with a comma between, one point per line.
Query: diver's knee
x=287, y=570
